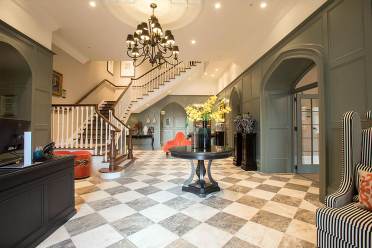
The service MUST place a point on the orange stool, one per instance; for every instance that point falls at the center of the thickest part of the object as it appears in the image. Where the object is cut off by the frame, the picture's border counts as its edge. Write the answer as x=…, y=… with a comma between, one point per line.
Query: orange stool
x=83, y=162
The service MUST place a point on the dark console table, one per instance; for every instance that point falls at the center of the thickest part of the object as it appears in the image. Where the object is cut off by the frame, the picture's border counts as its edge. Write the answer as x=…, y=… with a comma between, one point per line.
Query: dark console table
x=145, y=136
x=201, y=187
x=35, y=201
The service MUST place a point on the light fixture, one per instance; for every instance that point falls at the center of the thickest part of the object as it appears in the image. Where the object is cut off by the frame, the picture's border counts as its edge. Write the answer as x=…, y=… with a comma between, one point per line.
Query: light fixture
x=149, y=42
x=193, y=42
x=217, y=5
x=92, y=4
x=217, y=69
x=263, y=5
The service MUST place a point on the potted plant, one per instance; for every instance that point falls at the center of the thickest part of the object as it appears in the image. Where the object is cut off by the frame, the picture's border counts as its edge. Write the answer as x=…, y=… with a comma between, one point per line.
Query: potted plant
x=238, y=137
x=202, y=115
x=249, y=130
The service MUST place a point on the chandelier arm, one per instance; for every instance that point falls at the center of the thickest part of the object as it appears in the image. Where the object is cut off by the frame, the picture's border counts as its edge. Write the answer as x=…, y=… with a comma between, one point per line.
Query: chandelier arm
x=138, y=64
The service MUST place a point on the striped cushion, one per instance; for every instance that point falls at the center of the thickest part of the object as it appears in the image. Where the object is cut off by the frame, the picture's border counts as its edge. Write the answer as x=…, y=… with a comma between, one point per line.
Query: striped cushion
x=326, y=240
x=350, y=224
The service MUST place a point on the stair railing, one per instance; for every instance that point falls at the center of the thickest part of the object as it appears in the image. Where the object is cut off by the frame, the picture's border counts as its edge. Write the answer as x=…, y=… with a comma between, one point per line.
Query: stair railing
x=148, y=82
x=84, y=127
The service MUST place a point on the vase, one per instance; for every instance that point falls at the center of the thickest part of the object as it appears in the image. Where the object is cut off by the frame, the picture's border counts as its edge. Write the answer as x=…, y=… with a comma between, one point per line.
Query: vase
x=238, y=149
x=203, y=132
x=220, y=134
x=249, y=152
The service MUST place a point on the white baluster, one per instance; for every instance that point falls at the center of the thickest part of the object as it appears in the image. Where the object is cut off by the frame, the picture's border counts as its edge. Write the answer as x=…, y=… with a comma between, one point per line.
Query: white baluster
x=106, y=139
x=91, y=117
x=96, y=130
x=67, y=126
x=86, y=126
x=63, y=127
x=101, y=136
x=72, y=127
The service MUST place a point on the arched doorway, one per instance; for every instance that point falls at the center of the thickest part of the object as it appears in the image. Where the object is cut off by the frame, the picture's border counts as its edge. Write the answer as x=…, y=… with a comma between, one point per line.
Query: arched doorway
x=172, y=120
x=235, y=104
x=15, y=84
x=279, y=140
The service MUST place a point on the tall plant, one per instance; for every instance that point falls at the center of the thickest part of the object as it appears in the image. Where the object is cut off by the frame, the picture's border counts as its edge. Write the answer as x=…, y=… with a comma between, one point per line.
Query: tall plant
x=245, y=124
x=210, y=110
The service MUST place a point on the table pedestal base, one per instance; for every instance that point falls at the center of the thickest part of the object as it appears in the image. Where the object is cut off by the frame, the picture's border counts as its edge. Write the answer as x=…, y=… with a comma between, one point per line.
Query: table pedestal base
x=200, y=187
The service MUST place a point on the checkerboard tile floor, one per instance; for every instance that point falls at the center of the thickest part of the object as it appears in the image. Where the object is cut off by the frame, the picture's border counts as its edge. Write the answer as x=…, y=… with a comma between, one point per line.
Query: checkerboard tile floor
x=146, y=208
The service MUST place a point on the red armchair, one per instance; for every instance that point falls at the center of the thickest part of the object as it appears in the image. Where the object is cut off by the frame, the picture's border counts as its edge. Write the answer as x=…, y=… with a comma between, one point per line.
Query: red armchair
x=179, y=140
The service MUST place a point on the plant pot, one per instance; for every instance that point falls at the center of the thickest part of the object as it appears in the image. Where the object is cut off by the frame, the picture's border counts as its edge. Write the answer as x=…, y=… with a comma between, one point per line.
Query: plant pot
x=220, y=134
x=238, y=137
x=249, y=152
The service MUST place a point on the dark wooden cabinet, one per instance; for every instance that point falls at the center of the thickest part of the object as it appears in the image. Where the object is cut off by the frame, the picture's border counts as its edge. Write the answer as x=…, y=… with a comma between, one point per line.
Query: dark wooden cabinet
x=238, y=149
x=35, y=201
x=249, y=152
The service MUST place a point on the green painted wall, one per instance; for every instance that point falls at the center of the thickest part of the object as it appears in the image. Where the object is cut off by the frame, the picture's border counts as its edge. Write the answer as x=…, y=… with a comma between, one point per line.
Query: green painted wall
x=39, y=60
x=339, y=34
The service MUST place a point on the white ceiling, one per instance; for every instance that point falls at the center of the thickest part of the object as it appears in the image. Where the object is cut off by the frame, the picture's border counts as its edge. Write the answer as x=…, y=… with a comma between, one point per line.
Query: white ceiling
x=238, y=29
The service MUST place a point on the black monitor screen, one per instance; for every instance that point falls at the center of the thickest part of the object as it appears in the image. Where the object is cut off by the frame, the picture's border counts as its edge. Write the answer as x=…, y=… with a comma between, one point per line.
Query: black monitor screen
x=11, y=134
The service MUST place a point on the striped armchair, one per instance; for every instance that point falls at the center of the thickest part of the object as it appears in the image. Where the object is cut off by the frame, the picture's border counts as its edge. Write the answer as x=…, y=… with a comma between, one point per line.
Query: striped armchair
x=341, y=223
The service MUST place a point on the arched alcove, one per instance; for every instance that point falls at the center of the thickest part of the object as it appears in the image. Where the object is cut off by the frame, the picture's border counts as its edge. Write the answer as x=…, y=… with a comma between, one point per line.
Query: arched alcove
x=15, y=84
x=277, y=104
x=235, y=104
x=172, y=120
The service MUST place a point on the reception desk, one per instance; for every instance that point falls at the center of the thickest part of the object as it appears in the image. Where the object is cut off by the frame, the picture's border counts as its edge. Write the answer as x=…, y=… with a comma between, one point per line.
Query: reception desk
x=35, y=201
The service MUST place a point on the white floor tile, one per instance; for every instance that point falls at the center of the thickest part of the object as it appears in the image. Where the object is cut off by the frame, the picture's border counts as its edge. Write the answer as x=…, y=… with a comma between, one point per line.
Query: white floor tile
x=128, y=196
x=200, y=212
x=263, y=194
x=158, y=212
x=260, y=235
x=300, y=182
x=116, y=212
x=108, y=185
x=58, y=236
x=280, y=209
x=205, y=235
x=136, y=185
x=162, y=196
x=99, y=237
x=241, y=210
x=82, y=210
x=82, y=184
x=165, y=185
x=302, y=230
x=154, y=236
x=292, y=192
x=248, y=184
x=95, y=196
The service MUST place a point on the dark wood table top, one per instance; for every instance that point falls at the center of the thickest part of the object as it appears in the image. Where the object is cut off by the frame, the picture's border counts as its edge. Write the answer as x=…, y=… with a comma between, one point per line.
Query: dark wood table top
x=215, y=152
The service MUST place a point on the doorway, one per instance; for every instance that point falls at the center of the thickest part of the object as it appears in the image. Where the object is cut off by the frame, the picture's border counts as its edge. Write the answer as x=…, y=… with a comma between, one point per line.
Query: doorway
x=306, y=129
x=172, y=120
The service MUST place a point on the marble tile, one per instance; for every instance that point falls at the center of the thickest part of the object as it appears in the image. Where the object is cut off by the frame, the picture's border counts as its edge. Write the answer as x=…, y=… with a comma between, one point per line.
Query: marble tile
x=131, y=224
x=275, y=183
x=279, y=178
x=308, y=206
x=116, y=212
x=82, y=210
x=215, y=237
x=229, y=195
x=216, y=202
x=179, y=203
x=152, y=181
x=162, y=196
x=177, y=181
x=238, y=243
x=176, y=190
x=248, y=184
x=252, y=201
x=226, y=222
x=271, y=220
x=158, y=212
x=82, y=184
x=305, y=216
x=125, y=180
x=136, y=185
x=297, y=187
x=240, y=210
x=128, y=196
x=117, y=190
x=63, y=244
x=300, y=182
x=240, y=189
x=160, y=237
x=313, y=190
x=266, y=195
x=99, y=237
x=95, y=196
x=200, y=212
x=292, y=192
x=86, y=190
x=180, y=243
x=289, y=242
x=108, y=185
x=142, y=177
x=260, y=235
x=269, y=188
x=302, y=230
x=141, y=203
x=104, y=203
x=231, y=180
x=179, y=223
x=122, y=244
x=164, y=185
x=84, y=223
x=288, y=200
x=58, y=236
x=280, y=209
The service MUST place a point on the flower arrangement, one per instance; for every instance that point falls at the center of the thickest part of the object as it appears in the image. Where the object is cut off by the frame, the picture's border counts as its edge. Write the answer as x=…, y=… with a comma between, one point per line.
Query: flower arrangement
x=210, y=110
x=245, y=124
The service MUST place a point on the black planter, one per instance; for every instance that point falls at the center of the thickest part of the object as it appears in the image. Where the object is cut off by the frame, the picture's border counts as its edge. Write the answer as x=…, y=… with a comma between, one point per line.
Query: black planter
x=249, y=152
x=238, y=149
x=220, y=138
x=203, y=136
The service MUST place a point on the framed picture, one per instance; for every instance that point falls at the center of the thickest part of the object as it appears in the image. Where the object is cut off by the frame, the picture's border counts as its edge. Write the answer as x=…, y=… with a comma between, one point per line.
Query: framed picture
x=126, y=68
x=57, y=80
x=110, y=67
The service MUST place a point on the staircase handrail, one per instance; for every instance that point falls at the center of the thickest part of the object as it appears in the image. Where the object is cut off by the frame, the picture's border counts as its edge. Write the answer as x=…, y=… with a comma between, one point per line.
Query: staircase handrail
x=96, y=110
x=97, y=86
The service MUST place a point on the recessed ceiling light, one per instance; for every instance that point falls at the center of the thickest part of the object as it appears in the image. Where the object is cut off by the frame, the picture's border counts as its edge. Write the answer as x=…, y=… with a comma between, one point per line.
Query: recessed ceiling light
x=216, y=69
x=217, y=5
x=193, y=42
x=206, y=73
x=263, y=5
x=92, y=4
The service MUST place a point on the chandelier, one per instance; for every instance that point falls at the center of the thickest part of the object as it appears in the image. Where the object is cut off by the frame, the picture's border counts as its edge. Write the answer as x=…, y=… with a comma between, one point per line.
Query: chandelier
x=149, y=42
